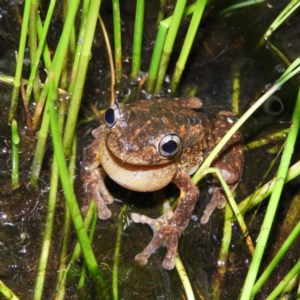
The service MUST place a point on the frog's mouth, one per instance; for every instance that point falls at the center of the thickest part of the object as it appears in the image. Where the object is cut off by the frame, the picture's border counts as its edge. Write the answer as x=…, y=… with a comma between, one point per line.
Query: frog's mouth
x=140, y=178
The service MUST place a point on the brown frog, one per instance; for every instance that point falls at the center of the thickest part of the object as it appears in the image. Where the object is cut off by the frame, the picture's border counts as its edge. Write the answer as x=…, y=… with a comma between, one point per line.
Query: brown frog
x=146, y=145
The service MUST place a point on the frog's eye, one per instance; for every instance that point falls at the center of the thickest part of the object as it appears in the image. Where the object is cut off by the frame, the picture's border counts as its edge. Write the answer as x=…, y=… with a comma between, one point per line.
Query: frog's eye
x=111, y=115
x=169, y=145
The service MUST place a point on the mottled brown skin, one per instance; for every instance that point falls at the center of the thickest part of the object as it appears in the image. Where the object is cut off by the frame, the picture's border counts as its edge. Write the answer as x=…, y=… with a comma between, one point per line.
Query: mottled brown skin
x=128, y=153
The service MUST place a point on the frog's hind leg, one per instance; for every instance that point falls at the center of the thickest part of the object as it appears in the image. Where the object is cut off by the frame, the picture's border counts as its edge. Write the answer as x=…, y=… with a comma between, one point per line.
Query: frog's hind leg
x=229, y=162
x=92, y=176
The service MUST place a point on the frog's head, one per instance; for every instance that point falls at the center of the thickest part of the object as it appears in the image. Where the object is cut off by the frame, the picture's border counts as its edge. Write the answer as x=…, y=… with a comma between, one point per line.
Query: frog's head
x=142, y=134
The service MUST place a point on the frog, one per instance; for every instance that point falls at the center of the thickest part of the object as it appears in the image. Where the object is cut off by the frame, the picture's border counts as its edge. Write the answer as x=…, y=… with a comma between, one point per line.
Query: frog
x=148, y=144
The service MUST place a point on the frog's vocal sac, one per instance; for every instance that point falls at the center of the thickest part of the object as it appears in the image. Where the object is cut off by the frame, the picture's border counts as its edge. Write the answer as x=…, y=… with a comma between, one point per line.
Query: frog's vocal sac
x=144, y=146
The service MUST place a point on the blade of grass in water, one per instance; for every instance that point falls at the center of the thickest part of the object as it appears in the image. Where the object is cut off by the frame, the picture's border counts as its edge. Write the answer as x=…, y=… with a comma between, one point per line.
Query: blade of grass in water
x=56, y=66
x=117, y=253
x=42, y=38
x=137, y=39
x=279, y=255
x=81, y=74
x=284, y=282
x=241, y=4
x=273, y=203
x=20, y=58
x=282, y=17
x=168, y=46
x=15, y=139
x=158, y=49
x=117, y=39
x=33, y=46
x=187, y=44
x=94, y=270
x=45, y=250
x=7, y=292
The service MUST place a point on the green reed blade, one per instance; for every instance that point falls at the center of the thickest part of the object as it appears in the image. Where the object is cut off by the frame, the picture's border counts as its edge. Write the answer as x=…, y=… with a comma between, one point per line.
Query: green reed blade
x=117, y=39
x=273, y=203
x=42, y=34
x=81, y=74
x=187, y=44
x=68, y=188
x=241, y=4
x=137, y=39
x=15, y=140
x=168, y=46
x=282, y=17
x=20, y=58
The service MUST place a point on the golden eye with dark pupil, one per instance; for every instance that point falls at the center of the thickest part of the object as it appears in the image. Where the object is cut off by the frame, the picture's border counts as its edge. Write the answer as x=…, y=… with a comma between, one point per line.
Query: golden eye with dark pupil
x=111, y=115
x=169, y=145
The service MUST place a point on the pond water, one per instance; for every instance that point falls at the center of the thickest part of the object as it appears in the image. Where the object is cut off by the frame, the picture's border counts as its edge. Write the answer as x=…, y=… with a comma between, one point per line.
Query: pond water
x=224, y=45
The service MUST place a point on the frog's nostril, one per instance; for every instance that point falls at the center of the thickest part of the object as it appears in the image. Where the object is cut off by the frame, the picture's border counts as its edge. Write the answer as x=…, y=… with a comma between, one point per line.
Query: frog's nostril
x=169, y=145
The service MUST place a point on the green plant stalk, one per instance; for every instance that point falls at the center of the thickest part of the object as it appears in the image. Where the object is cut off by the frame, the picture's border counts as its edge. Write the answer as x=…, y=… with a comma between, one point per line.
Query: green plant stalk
x=117, y=254
x=20, y=58
x=158, y=49
x=81, y=74
x=117, y=39
x=33, y=45
x=169, y=43
x=236, y=93
x=188, y=42
x=15, y=154
x=265, y=191
x=45, y=250
x=274, y=263
x=184, y=279
x=156, y=56
x=233, y=205
x=283, y=283
x=76, y=252
x=137, y=39
x=223, y=255
x=91, y=237
x=56, y=67
x=90, y=260
x=273, y=203
x=7, y=292
x=266, y=140
x=61, y=287
x=42, y=34
x=82, y=28
x=292, y=70
x=285, y=13
x=161, y=12
x=242, y=4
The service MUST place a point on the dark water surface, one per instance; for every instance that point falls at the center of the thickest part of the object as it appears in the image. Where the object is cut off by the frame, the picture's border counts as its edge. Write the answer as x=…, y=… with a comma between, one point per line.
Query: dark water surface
x=223, y=45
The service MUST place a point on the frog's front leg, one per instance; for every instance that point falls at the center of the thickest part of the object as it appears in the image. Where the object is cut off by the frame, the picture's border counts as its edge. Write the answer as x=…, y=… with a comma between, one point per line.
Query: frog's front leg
x=229, y=162
x=170, y=226
x=92, y=176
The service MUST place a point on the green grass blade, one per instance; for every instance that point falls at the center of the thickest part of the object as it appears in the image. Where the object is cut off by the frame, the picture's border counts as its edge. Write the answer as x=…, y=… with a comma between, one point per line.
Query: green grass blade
x=83, y=238
x=15, y=140
x=42, y=34
x=81, y=74
x=273, y=203
x=241, y=4
x=20, y=58
x=279, y=255
x=117, y=39
x=7, y=292
x=137, y=39
x=187, y=44
x=168, y=46
x=282, y=17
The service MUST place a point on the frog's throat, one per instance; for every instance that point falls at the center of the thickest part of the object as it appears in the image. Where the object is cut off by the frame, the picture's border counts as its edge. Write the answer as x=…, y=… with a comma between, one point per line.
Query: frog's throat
x=140, y=178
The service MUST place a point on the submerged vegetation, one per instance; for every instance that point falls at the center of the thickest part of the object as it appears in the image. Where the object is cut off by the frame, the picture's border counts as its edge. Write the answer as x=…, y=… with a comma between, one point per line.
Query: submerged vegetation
x=49, y=99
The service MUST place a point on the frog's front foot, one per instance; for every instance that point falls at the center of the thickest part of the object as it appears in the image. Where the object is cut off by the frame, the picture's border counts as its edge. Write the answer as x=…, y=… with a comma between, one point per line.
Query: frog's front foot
x=165, y=234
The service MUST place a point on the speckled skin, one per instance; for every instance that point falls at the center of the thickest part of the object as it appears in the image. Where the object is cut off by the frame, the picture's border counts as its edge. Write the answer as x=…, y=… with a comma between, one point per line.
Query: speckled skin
x=128, y=153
